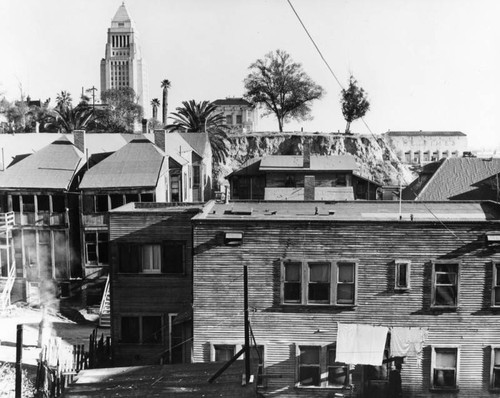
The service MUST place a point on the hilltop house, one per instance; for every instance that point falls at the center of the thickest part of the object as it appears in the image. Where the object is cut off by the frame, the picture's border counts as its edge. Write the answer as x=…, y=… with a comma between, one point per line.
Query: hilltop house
x=334, y=286
x=301, y=177
x=239, y=114
x=465, y=178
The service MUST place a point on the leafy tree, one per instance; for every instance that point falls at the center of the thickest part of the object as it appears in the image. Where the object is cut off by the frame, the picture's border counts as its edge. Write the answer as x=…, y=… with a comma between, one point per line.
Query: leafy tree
x=282, y=87
x=195, y=117
x=63, y=100
x=121, y=111
x=165, y=85
x=354, y=103
x=155, y=103
x=68, y=119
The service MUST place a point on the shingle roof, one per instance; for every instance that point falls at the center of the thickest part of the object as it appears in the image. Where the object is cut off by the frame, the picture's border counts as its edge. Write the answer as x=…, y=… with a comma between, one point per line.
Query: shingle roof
x=197, y=141
x=425, y=133
x=52, y=167
x=295, y=162
x=232, y=101
x=456, y=177
x=137, y=164
x=354, y=211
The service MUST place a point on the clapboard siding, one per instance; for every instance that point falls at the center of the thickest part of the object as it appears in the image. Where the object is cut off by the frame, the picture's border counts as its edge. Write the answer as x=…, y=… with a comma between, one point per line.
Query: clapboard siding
x=158, y=294
x=218, y=292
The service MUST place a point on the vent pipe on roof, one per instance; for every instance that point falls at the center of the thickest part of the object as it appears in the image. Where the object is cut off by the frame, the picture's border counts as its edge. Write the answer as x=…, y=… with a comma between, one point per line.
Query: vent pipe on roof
x=80, y=140
x=160, y=139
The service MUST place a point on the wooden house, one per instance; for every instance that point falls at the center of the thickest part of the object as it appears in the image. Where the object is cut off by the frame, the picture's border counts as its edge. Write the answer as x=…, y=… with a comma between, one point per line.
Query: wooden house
x=301, y=177
x=151, y=282
x=314, y=266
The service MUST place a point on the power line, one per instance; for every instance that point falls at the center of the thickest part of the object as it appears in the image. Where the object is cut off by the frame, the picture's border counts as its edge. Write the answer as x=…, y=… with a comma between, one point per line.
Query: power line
x=314, y=43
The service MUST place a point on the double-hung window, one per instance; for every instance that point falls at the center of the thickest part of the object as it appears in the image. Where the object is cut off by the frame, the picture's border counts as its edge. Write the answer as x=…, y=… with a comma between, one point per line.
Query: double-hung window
x=151, y=258
x=168, y=257
x=495, y=368
x=144, y=329
x=495, y=289
x=444, y=368
x=317, y=367
x=445, y=281
x=318, y=282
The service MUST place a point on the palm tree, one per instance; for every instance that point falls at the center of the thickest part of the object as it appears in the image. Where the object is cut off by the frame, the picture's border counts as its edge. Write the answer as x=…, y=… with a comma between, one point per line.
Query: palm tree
x=63, y=100
x=68, y=119
x=155, y=103
x=165, y=85
x=195, y=117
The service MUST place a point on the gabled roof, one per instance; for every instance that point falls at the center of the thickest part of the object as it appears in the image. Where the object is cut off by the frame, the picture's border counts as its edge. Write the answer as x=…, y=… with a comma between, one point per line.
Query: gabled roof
x=52, y=167
x=295, y=162
x=198, y=141
x=425, y=133
x=455, y=179
x=137, y=164
x=232, y=101
x=250, y=167
x=122, y=14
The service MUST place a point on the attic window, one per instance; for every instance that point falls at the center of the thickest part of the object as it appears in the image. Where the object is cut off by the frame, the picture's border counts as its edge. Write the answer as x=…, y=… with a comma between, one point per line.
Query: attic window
x=233, y=238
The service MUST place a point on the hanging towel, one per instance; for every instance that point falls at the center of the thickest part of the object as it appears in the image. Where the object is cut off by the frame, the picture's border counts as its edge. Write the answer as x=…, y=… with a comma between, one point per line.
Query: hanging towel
x=361, y=344
x=407, y=342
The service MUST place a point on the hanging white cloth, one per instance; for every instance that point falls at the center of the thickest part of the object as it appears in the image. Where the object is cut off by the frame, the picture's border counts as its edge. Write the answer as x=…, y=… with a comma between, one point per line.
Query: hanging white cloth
x=361, y=344
x=407, y=342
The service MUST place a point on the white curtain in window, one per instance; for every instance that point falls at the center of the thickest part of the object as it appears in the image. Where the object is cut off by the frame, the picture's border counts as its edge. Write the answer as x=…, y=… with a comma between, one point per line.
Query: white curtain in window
x=151, y=258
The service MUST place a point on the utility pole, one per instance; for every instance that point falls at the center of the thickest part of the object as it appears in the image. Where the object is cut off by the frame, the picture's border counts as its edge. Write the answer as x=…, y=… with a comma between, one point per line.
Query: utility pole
x=247, y=324
x=19, y=361
x=93, y=89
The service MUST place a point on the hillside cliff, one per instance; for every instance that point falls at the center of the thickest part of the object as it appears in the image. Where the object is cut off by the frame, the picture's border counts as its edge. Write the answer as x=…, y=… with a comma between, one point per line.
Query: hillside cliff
x=375, y=158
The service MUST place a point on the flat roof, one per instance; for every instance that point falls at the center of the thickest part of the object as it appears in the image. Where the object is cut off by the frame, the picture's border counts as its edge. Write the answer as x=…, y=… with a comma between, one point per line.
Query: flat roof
x=318, y=162
x=425, y=133
x=158, y=207
x=378, y=211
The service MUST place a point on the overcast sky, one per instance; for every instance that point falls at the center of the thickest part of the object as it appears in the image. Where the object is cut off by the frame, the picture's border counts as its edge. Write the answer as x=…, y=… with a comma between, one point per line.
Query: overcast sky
x=426, y=64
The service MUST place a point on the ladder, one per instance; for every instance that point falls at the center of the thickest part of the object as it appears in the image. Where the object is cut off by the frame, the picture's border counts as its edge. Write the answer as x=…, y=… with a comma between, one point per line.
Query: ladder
x=105, y=310
x=6, y=224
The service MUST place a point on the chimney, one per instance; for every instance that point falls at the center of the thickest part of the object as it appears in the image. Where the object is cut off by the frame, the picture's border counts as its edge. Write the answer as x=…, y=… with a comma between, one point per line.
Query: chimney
x=309, y=182
x=160, y=139
x=144, y=126
x=307, y=155
x=79, y=140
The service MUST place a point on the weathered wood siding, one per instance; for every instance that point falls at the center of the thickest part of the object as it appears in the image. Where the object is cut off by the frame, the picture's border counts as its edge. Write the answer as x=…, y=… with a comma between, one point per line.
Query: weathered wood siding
x=147, y=294
x=218, y=293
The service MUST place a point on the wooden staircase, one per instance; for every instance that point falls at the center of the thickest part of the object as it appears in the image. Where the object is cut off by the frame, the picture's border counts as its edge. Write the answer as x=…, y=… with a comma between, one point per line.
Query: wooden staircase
x=5, y=297
x=105, y=310
x=6, y=224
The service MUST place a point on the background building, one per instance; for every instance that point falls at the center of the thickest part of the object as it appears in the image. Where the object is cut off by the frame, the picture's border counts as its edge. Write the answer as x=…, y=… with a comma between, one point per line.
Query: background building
x=422, y=147
x=123, y=65
x=240, y=115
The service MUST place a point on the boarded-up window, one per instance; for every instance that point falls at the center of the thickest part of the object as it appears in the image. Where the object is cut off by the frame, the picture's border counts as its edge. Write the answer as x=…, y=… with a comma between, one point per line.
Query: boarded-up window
x=173, y=257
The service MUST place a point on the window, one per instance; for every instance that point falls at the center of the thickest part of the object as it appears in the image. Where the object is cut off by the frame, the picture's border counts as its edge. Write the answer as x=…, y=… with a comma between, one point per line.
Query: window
x=338, y=373
x=151, y=258
x=402, y=275
x=147, y=197
x=444, y=368
x=239, y=119
x=292, y=292
x=145, y=329
x=131, y=197
x=116, y=200
x=495, y=289
x=229, y=119
x=196, y=175
x=223, y=352
x=495, y=368
x=318, y=283
x=174, y=257
x=166, y=258
x=28, y=203
x=101, y=203
x=58, y=204
x=309, y=366
x=445, y=285
x=96, y=247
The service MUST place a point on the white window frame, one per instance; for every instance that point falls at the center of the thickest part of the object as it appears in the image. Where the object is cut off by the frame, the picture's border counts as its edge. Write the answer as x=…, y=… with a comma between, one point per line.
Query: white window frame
x=434, y=284
x=305, y=282
x=457, y=369
x=494, y=285
x=315, y=366
x=493, y=367
x=397, y=266
x=323, y=368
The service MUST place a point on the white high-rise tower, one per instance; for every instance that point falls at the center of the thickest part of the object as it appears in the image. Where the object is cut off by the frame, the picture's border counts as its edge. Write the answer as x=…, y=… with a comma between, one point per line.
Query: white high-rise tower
x=123, y=65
